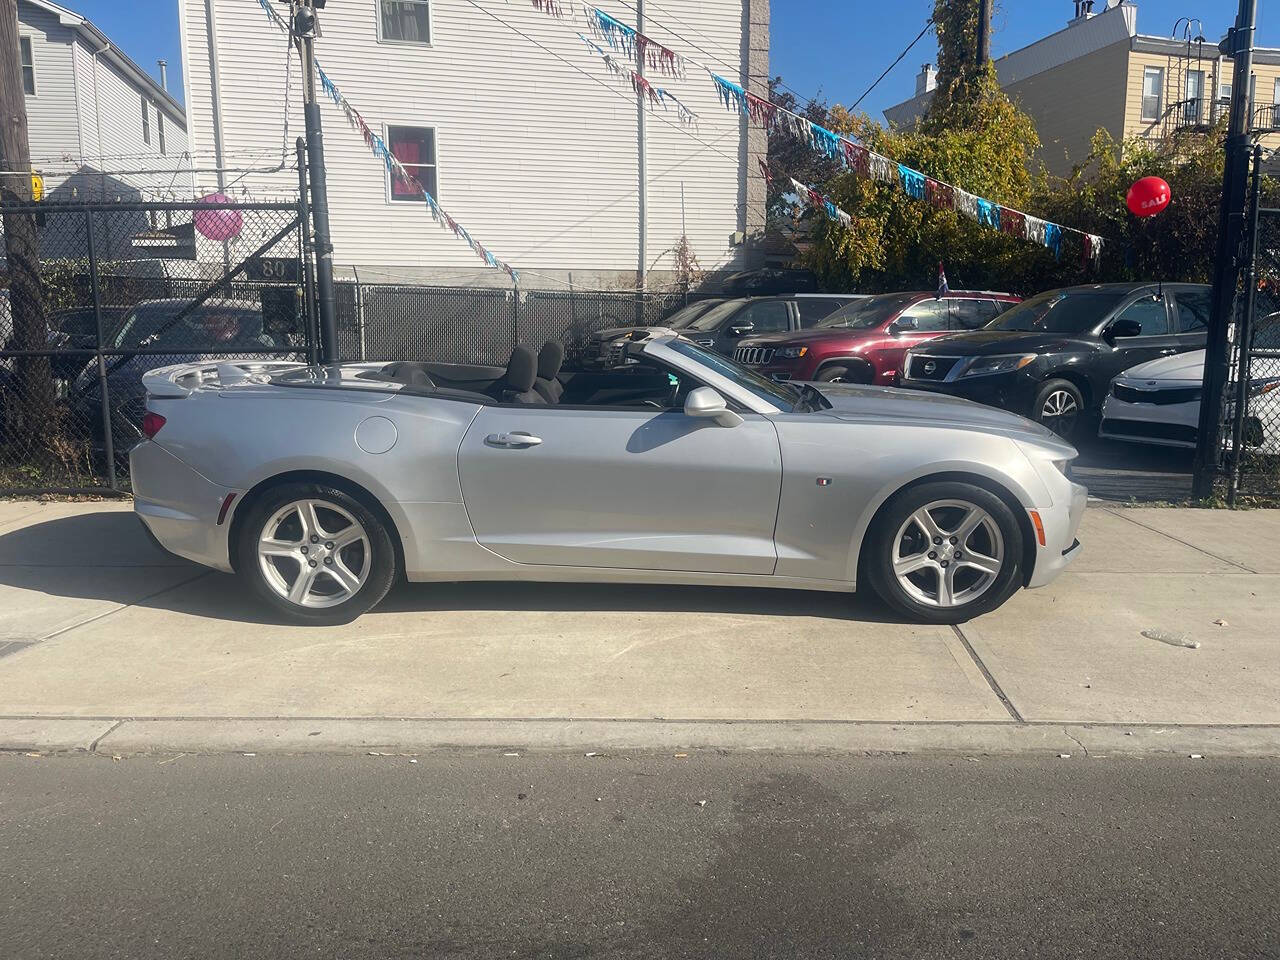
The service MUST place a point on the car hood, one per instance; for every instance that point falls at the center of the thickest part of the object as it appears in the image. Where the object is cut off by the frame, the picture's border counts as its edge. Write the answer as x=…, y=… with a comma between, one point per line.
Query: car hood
x=990, y=342
x=856, y=402
x=1180, y=366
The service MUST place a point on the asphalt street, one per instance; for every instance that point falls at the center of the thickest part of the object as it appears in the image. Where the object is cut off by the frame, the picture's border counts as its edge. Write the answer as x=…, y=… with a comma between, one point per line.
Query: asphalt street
x=487, y=855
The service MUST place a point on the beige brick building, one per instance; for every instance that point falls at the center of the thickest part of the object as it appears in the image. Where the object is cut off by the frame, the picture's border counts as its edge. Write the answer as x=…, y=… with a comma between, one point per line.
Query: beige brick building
x=1099, y=72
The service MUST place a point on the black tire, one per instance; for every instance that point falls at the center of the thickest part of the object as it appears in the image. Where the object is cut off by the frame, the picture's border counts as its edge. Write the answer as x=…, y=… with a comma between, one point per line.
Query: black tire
x=882, y=546
x=331, y=504
x=843, y=373
x=1057, y=394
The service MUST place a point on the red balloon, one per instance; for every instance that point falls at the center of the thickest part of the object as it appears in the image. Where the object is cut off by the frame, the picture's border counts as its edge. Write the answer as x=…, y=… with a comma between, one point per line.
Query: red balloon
x=1148, y=197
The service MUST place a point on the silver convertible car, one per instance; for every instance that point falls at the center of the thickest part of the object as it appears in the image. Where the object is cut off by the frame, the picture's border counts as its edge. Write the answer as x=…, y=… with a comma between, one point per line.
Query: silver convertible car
x=321, y=485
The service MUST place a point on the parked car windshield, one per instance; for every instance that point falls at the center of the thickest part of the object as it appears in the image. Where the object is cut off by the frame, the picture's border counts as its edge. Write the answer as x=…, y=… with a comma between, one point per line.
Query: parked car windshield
x=1060, y=311
x=868, y=313
x=781, y=395
x=715, y=316
x=687, y=314
x=209, y=325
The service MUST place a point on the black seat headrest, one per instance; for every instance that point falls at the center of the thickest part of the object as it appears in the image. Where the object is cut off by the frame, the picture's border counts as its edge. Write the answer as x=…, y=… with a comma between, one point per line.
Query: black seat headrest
x=550, y=359
x=522, y=369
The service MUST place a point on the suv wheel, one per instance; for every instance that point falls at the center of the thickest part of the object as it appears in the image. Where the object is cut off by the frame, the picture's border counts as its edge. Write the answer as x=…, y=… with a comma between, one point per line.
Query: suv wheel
x=944, y=552
x=1059, y=405
x=844, y=373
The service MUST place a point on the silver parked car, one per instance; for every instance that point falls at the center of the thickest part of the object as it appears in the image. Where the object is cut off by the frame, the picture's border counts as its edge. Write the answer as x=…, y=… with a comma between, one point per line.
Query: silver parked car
x=322, y=485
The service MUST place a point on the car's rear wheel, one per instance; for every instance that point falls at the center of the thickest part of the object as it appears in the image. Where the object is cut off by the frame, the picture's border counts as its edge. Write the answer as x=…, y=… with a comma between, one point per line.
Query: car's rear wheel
x=316, y=553
x=1059, y=405
x=944, y=552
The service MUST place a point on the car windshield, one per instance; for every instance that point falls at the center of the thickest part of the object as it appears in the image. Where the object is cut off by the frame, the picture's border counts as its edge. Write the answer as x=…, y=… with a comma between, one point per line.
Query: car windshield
x=210, y=325
x=868, y=313
x=688, y=314
x=1059, y=311
x=782, y=395
x=715, y=316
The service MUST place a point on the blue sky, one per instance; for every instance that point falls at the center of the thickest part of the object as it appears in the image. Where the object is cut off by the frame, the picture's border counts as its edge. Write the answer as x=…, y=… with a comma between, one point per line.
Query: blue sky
x=837, y=47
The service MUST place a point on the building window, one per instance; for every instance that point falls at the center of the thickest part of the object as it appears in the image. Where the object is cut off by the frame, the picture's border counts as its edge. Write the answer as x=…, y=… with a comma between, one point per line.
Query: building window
x=415, y=148
x=1152, y=92
x=160, y=129
x=1192, y=108
x=146, y=122
x=405, y=21
x=28, y=67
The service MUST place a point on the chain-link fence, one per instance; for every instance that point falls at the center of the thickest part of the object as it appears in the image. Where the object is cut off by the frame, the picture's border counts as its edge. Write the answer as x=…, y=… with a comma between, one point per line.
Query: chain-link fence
x=1251, y=400
x=94, y=295
x=481, y=324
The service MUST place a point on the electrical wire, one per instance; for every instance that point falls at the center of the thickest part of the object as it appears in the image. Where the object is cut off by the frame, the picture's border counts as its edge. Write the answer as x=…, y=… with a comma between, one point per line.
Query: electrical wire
x=892, y=65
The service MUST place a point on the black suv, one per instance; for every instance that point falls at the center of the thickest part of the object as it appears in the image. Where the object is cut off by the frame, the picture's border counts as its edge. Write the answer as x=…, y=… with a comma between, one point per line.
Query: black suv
x=1052, y=357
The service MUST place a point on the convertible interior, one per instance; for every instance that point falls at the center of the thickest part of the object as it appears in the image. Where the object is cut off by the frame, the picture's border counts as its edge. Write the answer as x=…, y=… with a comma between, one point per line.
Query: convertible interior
x=539, y=380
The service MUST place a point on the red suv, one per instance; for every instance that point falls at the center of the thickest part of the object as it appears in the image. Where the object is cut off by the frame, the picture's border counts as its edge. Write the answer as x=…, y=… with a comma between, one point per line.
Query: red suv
x=864, y=341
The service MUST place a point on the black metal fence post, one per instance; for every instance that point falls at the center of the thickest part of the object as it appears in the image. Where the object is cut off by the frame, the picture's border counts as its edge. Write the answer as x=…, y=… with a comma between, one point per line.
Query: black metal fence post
x=108, y=441
x=1244, y=330
x=515, y=313
x=308, y=264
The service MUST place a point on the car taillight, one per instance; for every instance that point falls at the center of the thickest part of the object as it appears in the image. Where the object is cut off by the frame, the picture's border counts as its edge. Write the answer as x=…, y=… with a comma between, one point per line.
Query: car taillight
x=151, y=424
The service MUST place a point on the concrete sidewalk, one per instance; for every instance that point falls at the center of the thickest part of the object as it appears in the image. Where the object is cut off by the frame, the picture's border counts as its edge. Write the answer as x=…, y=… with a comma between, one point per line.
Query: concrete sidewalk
x=108, y=643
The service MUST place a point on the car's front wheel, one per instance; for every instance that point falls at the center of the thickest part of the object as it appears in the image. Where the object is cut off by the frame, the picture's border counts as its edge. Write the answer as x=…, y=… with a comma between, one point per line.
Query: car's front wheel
x=944, y=552
x=1059, y=405
x=315, y=553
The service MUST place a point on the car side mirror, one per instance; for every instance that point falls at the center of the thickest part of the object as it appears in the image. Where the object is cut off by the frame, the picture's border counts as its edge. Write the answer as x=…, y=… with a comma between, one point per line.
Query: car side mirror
x=741, y=329
x=1121, y=328
x=706, y=402
x=903, y=324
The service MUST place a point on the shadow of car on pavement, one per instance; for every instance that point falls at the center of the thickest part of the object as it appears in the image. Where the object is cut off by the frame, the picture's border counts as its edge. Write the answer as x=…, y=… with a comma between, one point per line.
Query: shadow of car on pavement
x=59, y=557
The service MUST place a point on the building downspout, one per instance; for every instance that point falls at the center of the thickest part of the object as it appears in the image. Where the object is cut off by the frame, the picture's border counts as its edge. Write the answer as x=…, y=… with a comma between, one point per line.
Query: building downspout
x=642, y=175
x=215, y=92
x=97, y=121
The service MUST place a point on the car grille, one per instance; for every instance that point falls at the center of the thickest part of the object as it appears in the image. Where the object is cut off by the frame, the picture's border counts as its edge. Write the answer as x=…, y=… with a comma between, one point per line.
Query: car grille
x=753, y=356
x=1145, y=428
x=931, y=368
x=1159, y=398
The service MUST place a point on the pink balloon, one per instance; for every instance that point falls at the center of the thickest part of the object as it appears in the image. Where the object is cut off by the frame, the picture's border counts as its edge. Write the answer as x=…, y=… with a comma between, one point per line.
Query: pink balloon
x=218, y=223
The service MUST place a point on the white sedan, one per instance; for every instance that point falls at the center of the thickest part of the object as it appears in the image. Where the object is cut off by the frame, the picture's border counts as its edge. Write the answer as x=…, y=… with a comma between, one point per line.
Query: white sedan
x=1159, y=402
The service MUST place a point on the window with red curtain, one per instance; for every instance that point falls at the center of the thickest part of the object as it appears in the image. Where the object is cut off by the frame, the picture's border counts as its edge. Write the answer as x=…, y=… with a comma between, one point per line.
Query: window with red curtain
x=415, y=148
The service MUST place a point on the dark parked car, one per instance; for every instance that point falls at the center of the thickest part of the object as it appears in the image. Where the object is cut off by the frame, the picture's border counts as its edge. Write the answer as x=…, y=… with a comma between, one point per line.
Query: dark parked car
x=1052, y=357
x=74, y=329
x=728, y=321
x=863, y=341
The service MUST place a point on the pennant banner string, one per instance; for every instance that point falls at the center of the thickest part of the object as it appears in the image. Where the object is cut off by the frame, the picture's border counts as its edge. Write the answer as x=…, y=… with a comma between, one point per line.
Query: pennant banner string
x=395, y=168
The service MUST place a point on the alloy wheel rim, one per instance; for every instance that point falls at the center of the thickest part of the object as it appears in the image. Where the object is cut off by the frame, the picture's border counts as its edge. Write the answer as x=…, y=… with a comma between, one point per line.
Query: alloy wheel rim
x=314, y=553
x=1059, y=412
x=948, y=553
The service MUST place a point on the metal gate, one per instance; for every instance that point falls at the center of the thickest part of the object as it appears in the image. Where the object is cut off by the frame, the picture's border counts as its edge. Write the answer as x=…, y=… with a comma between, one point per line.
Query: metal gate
x=92, y=295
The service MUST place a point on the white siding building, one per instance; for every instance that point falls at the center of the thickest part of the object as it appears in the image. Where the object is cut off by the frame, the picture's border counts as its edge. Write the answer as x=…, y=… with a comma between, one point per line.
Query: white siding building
x=91, y=111
x=531, y=144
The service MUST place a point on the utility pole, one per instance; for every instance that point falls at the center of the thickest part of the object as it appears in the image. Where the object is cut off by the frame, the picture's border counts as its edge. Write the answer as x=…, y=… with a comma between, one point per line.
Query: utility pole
x=304, y=28
x=984, y=32
x=1235, y=177
x=21, y=241
x=642, y=178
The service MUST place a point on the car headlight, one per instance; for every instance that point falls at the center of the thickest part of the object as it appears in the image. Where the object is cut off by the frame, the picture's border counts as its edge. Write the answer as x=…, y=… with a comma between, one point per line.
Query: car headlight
x=1004, y=363
x=791, y=353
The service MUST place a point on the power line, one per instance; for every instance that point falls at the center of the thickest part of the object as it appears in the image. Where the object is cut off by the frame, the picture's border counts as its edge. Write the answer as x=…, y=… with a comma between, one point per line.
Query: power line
x=892, y=65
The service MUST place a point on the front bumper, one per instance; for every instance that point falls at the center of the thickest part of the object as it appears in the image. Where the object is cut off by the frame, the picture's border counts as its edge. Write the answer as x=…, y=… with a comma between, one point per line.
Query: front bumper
x=1061, y=523
x=1167, y=425
x=180, y=506
x=1013, y=392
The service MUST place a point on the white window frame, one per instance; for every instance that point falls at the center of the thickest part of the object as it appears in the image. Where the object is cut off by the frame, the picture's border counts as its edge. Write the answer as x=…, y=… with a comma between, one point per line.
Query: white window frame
x=386, y=138
x=1142, y=107
x=1194, y=112
x=431, y=28
x=160, y=131
x=146, y=119
x=25, y=45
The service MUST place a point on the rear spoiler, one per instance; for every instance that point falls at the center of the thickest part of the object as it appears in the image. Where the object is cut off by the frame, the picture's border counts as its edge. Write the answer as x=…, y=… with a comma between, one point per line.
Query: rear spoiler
x=183, y=379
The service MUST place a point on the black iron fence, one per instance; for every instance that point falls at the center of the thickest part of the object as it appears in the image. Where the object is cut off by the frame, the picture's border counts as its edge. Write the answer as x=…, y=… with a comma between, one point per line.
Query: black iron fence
x=94, y=295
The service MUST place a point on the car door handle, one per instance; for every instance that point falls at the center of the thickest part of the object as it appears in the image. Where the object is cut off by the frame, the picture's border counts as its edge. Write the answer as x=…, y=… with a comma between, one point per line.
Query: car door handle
x=515, y=439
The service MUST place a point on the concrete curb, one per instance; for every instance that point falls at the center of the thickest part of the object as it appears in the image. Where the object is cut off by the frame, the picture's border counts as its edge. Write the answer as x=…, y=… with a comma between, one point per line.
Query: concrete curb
x=241, y=735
